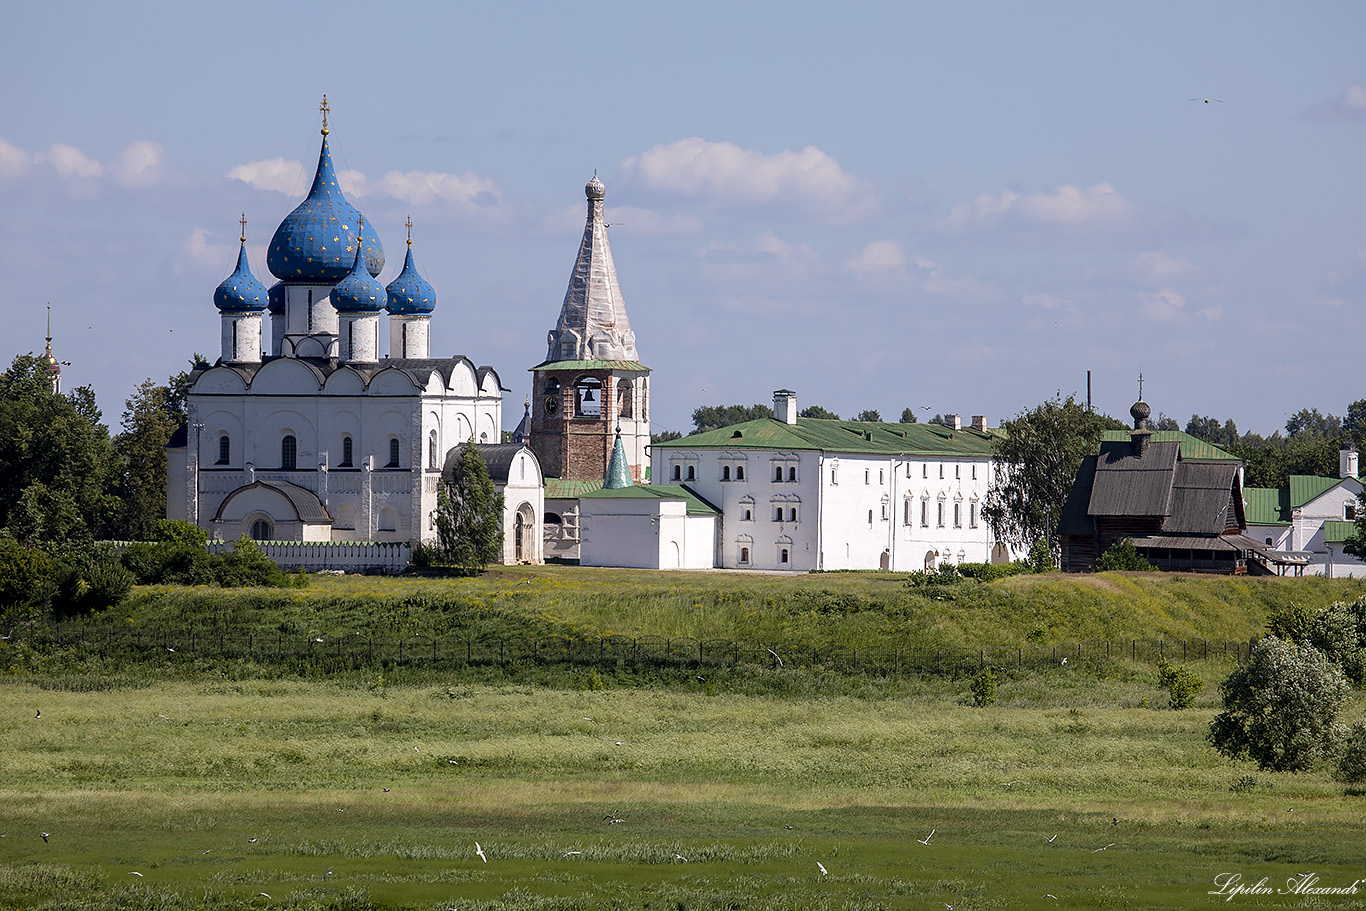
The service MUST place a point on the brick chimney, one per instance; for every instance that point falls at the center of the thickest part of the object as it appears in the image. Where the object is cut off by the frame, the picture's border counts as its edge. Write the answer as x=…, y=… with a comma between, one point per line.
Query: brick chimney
x=979, y=422
x=954, y=420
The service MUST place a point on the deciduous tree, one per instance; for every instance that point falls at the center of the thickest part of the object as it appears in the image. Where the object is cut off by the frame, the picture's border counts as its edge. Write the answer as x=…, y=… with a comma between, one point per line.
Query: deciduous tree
x=1036, y=460
x=816, y=412
x=469, y=514
x=869, y=414
x=713, y=417
x=1280, y=709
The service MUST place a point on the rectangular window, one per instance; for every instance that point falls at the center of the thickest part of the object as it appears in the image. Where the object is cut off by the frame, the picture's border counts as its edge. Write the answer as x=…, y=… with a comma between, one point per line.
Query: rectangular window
x=1349, y=512
x=866, y=476
x=881, y=478
x=884, y=509
x=958, y=471
x=974, y=472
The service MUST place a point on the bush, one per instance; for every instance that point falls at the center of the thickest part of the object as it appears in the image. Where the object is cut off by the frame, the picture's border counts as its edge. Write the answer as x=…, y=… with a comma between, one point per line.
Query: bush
x=1352, y=764
x=245, y=565
x=1339, y=631
x=1122, y=556
x=1280, y=709
x=1181, y=684
x=424, y=555
x=1291, y=622
x=984, y=688
x=173, y=531
x=90, y=578
x=1040, y=559
x=28, y=576
x=986, y=572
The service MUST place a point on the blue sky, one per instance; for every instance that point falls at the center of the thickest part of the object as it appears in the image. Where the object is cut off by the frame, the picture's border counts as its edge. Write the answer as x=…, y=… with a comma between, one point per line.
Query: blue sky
x=954, y=207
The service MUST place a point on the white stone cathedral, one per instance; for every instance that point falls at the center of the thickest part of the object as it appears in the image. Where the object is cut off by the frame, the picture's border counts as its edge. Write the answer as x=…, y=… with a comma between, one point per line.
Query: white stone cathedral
x=319, y=438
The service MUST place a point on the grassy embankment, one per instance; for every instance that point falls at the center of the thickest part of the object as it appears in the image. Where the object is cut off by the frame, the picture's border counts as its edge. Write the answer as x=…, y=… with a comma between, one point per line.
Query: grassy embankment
x=174, y=777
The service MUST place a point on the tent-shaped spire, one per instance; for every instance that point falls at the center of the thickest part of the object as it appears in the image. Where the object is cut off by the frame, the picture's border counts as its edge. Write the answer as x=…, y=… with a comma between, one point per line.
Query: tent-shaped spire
x=593, y=323
x=618, y=472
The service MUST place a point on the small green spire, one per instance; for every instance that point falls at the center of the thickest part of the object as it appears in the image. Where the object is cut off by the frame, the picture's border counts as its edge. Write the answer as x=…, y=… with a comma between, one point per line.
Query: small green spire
x=618, y=473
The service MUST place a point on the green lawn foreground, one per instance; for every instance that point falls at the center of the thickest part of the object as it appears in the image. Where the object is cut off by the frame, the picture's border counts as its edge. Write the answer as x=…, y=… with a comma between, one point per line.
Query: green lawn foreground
x=594, y=787
x=217, y=791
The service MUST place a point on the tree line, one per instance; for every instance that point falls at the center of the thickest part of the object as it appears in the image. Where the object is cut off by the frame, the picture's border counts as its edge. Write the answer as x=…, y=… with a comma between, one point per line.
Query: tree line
x=64, y=476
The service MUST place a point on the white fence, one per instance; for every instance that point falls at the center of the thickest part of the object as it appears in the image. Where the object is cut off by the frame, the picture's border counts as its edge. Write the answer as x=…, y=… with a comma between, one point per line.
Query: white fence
x=351, y=556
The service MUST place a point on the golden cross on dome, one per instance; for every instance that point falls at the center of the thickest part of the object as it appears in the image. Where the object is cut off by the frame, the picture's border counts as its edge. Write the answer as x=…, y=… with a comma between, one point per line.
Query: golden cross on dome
x=244, y=227
x=324, y=108
x=409, y=223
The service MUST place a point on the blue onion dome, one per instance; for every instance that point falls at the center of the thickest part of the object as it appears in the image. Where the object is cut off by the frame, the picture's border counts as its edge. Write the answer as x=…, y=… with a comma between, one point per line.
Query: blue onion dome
x=277, y=298
x=410, y=292
x=316, y=242
x=240, y=292
x=359, y=291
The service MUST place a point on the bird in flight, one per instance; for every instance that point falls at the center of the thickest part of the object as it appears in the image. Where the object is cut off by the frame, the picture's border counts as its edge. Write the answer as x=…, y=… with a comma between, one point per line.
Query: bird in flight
x=680, y=857
x=1103, y=848
x=45, y=835
x=1208, y=100
x=480, y=851
x=134, y=873
x=775, y=655
x=38, y=714
x=926, y=840
x=820, y=866
x=1049, y=841
x=569, y=854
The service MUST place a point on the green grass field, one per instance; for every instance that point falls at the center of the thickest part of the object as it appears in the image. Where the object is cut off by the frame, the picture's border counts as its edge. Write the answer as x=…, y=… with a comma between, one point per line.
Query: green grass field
x=220, y=781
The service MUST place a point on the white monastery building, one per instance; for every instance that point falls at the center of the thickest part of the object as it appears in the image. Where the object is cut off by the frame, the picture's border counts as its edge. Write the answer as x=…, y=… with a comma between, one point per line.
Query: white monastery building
x=1308, y=521
x=800, y=493
x=324, y=436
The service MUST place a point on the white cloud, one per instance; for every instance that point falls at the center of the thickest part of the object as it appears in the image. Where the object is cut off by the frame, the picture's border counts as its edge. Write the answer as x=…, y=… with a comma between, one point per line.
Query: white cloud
x=1065, y=207
x=1158, y=268
x=934, y=280
x=420, y=188
x=768, y=261
x=14, y=161
x=1049, y=302
x=140, y=164
x=879, y=256
x=70, y=162
x=723, y=173
x=278, y=174
x=1163, y=305
x=1350, y=105
x=201, y=253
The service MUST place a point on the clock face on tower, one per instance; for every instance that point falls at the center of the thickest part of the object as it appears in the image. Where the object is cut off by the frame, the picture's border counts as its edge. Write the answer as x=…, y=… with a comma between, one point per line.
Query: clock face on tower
x=552, y=404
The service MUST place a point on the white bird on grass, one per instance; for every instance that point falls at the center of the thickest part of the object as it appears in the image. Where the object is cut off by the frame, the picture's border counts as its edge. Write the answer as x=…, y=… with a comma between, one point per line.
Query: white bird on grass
x=569, y=854
x=926, y=840
x=680, y=857
x=820, y=866
x=480, y=851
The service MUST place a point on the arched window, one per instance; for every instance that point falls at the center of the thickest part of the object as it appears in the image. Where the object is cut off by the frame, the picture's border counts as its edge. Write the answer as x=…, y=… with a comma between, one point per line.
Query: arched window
x=870, y=517
x=739, y=472
x=782, y=556
x=624, y=398
x=678, y=472
x=725, y=472
x=588, y=397
x=347, y=450
x=224, y=450
x=744, y=555
x=261, y=530
x=792, y=473
x=777, y=472
x=792, y=514
x=777, y=514
x=431, y=450
x=289, y=452
x=749, y=515
x=393, y=453
x=692, y=473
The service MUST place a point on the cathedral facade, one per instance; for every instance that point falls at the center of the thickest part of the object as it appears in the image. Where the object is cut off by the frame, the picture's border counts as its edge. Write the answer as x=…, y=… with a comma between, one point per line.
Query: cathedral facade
x=320, y=436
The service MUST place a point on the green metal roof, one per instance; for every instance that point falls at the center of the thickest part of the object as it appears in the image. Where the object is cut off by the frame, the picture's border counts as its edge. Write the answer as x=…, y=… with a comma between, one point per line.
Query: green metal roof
x=558, y=489
x=1193, y=449
x=1304, y=488
x=1267, y=505
x=592, y=365
x=696, y=506
x=862, y=437
x=1336, y=531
